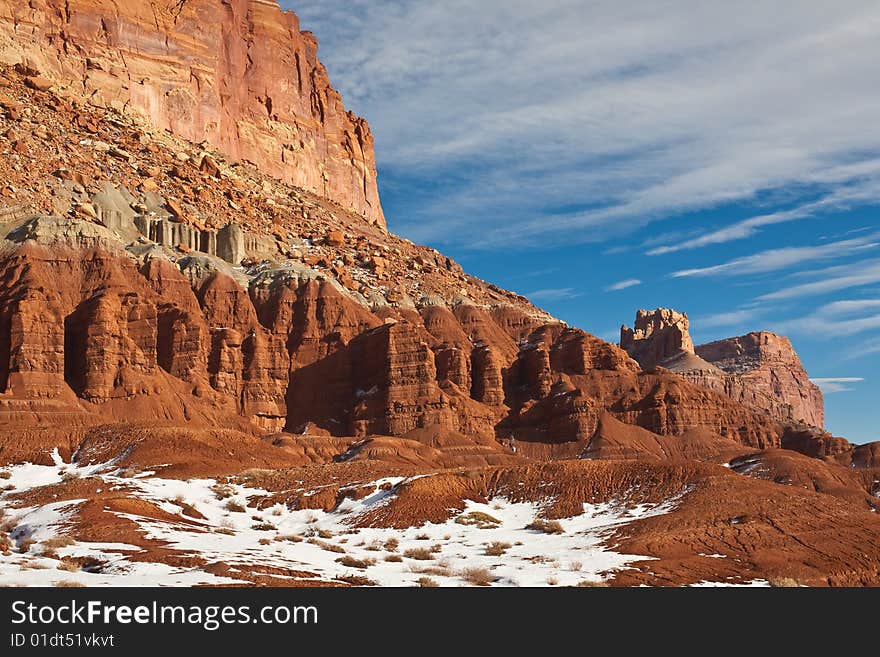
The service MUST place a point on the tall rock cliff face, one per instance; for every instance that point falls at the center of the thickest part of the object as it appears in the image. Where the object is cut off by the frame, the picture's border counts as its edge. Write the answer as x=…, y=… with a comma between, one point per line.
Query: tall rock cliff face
x=237, y=74
x=760, y=369
x=772, y=368
x=316, y=323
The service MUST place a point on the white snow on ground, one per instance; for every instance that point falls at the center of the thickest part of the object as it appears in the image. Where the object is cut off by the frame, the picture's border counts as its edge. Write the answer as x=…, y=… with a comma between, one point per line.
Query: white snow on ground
x=485, y=541
x=753, y=583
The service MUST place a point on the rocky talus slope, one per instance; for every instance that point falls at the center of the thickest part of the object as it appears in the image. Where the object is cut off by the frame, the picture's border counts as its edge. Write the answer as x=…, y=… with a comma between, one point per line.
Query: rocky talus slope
x=214, y=355
x=239, y=75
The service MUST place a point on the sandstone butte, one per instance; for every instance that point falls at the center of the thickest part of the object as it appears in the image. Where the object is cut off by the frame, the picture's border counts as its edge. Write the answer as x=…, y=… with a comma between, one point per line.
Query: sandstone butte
x=196, y=278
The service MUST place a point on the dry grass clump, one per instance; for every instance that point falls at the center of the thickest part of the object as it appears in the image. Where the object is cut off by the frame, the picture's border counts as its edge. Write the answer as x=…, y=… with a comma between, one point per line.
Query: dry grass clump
x=69, y=584
x=256, y=474
x=392, y=544
x=393, y=558
x=327, y=546
x=264, y=527
x=358, y=580
x=292, y=538
x=325, y=533
x=5, y=474
x=478, y=576
x=69, y=565
x=353, y=562
x=478, y=519
x=496, y=548
x=427, y=583
x=589, y=583
x=222, y=491
x=784, y=582
x=234, y=507
x=420, y=554
x=546, y=526
x=440, y=570
x=58, y=542
x=69, y=476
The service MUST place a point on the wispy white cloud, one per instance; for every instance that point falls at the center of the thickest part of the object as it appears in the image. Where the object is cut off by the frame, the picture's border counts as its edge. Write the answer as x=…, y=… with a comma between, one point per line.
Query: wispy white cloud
x=830, y=279
x=776, y=259
x=836, y=384
x=554, y=294
x=727, y=319
x=622, y=285
x=622, y=113
x=839, y=318
x=859, y=191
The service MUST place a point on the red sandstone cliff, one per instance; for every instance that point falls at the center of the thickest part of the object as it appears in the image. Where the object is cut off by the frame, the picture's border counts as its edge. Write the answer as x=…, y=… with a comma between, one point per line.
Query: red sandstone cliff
x=237, y=74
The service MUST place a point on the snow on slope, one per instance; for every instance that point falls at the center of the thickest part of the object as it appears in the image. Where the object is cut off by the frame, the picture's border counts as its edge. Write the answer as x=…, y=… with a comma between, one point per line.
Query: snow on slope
x=487, y=543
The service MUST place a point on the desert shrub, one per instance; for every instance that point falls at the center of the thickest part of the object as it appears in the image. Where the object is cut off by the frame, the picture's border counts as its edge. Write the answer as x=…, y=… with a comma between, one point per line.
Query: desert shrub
x=552, y=581
x=588, y=583
x=234, y=507
x=264, y=527
x=353, y=562
x=69, y=565
x=783, y=582
x=478, y=519
x=265, y=541
x=222, y=491
x=496, y=548
x=427, y=583
x=392, y=544
x=357, y=580
x=393, y=558
x=69, y=584
x=420, y=554
x=5, y=474
x=69, y=476
x=375, y=546
x=478, y=576
x=325, y=533
x=327, y=546
x=293, y=538
x=423, y=537
x=575, y=566
x=255, y=474
x=58, y=542
x=225, y=530
x=546, y=526
x=440, y=570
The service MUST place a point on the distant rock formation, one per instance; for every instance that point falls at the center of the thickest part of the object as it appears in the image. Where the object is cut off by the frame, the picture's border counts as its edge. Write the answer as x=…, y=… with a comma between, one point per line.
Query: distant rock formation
x=760, y=369
x=657, y=336
x=237, y=74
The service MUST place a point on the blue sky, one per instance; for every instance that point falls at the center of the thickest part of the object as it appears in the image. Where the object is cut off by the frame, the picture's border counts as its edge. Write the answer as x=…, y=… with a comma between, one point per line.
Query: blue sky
x=719, y=158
